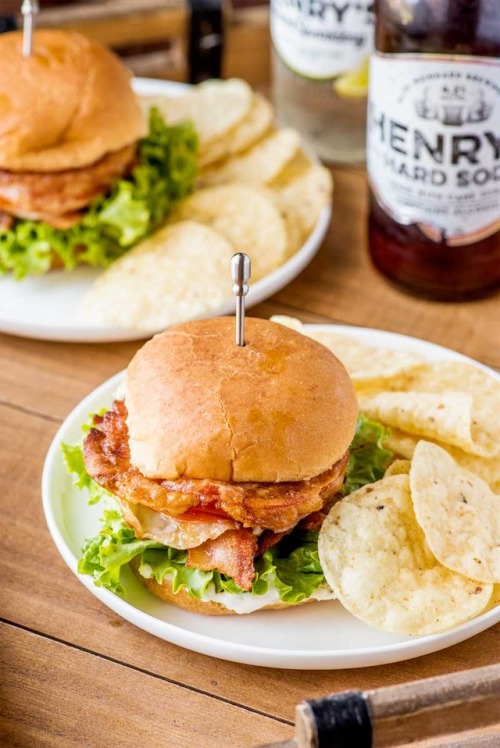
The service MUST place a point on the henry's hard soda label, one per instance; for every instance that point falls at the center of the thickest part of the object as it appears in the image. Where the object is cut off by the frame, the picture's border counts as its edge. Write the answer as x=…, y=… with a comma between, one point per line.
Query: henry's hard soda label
x=434, y=143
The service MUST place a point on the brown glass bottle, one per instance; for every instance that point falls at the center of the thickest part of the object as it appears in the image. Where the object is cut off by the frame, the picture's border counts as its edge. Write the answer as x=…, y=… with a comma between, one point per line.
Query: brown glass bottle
x=434, y=146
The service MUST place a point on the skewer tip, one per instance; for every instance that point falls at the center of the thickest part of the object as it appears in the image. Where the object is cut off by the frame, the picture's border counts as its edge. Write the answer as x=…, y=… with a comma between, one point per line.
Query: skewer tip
x=29, y=10
x=240, y=272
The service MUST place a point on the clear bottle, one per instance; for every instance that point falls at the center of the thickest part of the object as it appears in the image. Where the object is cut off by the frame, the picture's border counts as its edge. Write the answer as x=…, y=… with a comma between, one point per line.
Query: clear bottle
x=320, y=72
x=434, y=146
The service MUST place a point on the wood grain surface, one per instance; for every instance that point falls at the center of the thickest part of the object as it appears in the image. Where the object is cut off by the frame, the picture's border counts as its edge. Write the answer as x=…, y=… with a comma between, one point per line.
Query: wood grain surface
x=117, y=705
x=73, y=673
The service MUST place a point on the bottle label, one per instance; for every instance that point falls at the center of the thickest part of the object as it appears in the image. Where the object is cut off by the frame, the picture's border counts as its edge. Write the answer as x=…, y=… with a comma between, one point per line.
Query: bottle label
x=322, y=38
x=434, y=143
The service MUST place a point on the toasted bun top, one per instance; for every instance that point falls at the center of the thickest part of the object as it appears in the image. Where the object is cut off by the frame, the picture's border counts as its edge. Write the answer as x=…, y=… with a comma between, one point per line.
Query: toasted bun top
x=281, y=408
x=64, y=107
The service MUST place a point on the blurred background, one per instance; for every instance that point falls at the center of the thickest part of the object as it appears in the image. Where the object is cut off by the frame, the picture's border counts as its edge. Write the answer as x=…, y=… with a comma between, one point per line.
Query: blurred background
x=173, y=39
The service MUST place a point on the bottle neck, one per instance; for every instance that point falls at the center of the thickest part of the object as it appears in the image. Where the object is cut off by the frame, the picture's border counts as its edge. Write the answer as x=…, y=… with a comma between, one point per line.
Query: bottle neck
x=462, y=21
x=462, y=27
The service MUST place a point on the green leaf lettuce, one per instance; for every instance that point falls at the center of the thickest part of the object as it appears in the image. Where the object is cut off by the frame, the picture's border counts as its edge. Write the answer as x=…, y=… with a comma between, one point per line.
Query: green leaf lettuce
x=294, y=568
x=368, y=458
x=73, y=457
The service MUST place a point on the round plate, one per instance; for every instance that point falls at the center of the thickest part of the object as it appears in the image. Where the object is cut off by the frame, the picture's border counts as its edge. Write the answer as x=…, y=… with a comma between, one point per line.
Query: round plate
x=316, y=636
x=48, y=306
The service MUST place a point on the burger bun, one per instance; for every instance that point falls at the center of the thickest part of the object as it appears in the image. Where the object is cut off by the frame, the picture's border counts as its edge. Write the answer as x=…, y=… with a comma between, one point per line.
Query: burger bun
x=281, y=408
x=65, y=106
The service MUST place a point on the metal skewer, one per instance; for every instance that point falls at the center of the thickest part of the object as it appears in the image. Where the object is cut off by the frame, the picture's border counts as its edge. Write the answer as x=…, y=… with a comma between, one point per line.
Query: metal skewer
x=29, y=10
x=240, y=273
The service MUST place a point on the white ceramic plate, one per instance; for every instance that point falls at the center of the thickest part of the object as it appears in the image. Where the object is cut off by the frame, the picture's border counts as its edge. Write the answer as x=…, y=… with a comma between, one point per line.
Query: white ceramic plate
x=316, y=636
x=48, y=307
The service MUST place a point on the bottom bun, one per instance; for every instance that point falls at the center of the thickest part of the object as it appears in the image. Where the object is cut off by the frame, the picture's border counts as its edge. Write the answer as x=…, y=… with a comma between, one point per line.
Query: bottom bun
x=206, y=607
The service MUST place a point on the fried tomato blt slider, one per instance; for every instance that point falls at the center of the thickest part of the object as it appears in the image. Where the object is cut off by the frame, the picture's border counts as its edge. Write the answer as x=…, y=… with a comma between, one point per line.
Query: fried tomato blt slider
x=84, y=174
x=224, y=450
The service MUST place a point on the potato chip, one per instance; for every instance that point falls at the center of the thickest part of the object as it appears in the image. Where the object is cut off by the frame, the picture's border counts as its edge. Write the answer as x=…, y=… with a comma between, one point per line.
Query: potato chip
x=258, y=165
x=401, y=443
x=242, y=135
x=178, y=273
x=438, y=376
x=305, y=193
x=487, y=468
x=398, y=467
x=293, y=228
x=212, y=152
x=292, y=322
x=248, y=219
x=294, y=231
x=365, y=363
x=445, y=417
x=458, y=513
x=213, y=107
x=299, y=164
x=444, y=376
x=376, y=560
x=495, y=598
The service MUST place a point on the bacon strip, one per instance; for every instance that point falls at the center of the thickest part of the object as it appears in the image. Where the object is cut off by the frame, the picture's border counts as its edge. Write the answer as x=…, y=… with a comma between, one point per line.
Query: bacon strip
x=232, y=554
x=268, y=539
x=313, y=521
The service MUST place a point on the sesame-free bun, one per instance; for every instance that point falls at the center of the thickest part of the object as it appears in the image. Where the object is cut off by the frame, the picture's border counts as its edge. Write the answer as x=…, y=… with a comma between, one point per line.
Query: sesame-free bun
x=281, y=408
x=64, y=107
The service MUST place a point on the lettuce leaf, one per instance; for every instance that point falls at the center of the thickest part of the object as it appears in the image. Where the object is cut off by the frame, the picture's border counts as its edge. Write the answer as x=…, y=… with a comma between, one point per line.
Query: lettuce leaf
x=297, y=573
x=75, y=464
x=165, y=561
x=106, y=553
x=294, y=568
x=73, y=457
x=165, y=172
x=368, y=458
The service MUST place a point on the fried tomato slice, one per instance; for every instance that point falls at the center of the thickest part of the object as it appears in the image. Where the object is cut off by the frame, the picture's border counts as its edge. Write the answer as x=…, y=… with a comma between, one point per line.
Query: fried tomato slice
x=56, y=197
x=107, y=460
x=273, y=506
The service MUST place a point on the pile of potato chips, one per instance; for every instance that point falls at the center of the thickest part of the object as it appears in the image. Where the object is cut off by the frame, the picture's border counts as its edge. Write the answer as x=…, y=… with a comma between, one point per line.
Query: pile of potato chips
x=418, y=552
x=258, y=192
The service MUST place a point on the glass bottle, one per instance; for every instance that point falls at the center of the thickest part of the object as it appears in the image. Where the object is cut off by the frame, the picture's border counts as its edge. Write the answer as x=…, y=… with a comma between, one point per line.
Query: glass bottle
x=434, y=146
x=320, y=72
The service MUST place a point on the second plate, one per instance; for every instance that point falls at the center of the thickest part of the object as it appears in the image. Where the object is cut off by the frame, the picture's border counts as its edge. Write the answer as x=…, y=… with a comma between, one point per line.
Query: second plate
x=47, y=307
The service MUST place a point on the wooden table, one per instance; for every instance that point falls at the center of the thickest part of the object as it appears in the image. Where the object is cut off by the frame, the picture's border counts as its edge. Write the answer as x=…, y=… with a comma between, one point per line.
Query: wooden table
x=75, y=674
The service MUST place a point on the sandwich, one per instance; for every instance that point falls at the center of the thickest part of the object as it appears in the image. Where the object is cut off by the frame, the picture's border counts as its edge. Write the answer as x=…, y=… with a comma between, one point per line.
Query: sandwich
x=218, y=465
x=83, y=175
